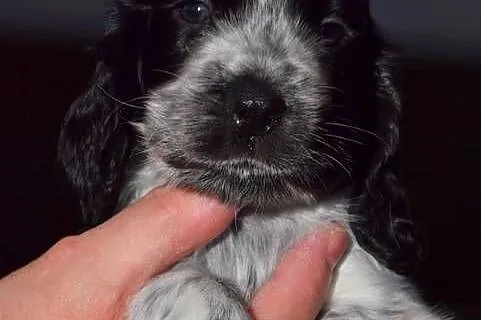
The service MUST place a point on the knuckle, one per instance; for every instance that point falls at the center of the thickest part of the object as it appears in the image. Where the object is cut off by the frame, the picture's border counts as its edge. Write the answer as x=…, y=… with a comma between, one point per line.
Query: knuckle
x=65, y=247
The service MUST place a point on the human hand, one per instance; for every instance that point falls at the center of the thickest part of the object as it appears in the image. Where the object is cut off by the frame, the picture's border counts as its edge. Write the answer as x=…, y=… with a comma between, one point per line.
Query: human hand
x=93, y=275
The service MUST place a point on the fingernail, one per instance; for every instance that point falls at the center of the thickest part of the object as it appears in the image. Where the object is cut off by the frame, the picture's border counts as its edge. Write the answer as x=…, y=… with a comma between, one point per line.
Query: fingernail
x=337, y=245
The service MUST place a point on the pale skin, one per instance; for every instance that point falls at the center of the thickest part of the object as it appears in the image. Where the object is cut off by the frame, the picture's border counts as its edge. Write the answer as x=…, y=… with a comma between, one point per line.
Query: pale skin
x=93, y=275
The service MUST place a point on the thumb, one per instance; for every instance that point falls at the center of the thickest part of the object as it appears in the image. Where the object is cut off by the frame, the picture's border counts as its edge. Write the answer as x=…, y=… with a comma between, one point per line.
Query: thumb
x=299, y=286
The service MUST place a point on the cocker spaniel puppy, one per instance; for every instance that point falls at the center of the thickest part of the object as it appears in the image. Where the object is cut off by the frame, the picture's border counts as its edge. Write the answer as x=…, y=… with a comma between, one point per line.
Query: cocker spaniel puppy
x=286, y=109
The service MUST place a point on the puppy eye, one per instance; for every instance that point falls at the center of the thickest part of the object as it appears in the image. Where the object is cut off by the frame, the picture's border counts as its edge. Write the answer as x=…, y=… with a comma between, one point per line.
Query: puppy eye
x=333, y=33
x=195, y=12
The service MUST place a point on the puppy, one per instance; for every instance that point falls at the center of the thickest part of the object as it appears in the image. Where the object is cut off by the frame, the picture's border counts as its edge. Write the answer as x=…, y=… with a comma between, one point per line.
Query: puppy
x=286, y=109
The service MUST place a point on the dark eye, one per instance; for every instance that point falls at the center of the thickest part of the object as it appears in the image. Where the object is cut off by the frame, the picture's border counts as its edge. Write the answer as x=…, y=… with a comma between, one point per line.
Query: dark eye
x=195, y=12
x=333, y=33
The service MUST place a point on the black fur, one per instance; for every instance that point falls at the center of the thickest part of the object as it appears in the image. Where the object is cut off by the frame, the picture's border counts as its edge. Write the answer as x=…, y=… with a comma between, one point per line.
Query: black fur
x=97, y=143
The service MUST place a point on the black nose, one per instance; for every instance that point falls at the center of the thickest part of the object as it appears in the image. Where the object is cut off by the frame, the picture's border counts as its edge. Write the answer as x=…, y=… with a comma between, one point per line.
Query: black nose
x=256, y=108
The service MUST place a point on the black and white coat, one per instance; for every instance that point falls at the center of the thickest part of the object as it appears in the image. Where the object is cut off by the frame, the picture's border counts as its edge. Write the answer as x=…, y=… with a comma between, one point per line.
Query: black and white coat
x=286, y=109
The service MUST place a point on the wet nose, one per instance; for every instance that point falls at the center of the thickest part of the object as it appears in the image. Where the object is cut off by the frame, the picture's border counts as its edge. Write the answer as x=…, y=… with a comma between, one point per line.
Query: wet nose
x=256, y=108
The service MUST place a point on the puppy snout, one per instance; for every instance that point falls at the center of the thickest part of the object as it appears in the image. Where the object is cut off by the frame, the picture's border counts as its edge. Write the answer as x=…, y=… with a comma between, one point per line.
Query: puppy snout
x=256, y=107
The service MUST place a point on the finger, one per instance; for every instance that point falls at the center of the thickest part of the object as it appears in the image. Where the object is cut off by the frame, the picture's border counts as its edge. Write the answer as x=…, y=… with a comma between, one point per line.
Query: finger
x=93, y=275
x=157, y=231
x=299, y=285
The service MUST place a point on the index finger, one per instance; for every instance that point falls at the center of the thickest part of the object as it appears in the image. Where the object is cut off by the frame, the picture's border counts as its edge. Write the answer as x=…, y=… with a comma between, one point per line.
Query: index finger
x=157, y=231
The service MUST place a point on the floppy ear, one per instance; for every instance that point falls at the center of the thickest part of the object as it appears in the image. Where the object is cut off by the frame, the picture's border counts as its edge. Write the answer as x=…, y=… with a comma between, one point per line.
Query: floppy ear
x=386, y=229
x=96, y=138
x=92, y=148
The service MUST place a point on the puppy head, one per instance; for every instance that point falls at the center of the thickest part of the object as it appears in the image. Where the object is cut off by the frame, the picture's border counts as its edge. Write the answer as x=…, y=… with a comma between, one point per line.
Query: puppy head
x=269, y=103
x=261, y=102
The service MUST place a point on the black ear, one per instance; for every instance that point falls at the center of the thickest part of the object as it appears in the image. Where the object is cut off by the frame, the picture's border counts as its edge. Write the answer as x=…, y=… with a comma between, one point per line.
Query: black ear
x=96, y=139
x=386, y=229
x=92, y=148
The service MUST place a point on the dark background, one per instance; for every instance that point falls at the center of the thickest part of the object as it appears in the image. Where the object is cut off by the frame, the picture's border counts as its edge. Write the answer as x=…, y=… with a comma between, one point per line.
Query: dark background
x=44, y=65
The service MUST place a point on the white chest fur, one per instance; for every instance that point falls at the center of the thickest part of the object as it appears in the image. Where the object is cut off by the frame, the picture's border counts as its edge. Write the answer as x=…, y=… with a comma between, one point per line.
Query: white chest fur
x=217, y=281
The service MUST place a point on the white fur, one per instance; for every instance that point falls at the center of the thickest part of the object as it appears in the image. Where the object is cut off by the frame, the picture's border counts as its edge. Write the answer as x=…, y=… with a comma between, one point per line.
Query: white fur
x=218, y=280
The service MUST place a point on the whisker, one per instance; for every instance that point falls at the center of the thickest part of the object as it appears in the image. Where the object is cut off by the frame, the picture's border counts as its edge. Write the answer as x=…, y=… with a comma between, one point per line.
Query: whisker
x=324, y=143
x=167, y=72
x=320, y=139
x=357, y=129
x=344, y=138
x=332, y=88
x=118, y=100
x=348, y=172
x=309, y=156
x=146, y=97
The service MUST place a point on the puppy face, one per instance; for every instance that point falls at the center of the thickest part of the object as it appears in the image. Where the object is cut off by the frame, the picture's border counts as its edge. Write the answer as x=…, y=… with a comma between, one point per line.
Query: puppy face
x=265, y=105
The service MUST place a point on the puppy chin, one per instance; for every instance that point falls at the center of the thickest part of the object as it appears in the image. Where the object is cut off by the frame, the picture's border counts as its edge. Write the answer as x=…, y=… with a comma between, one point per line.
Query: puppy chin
x=242, y=183
x=247, y=190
